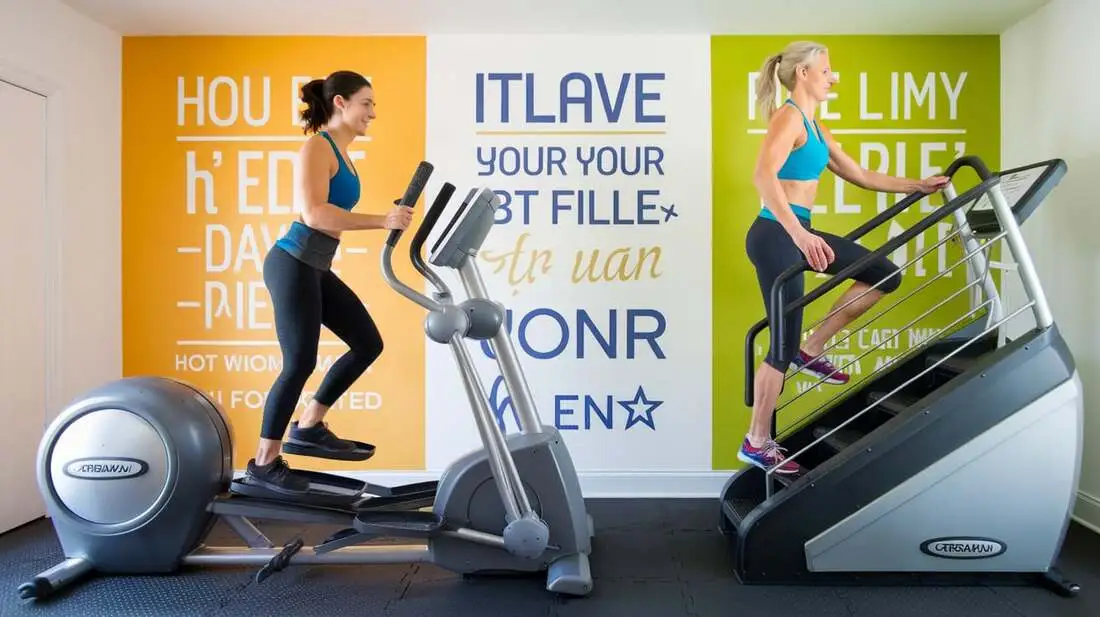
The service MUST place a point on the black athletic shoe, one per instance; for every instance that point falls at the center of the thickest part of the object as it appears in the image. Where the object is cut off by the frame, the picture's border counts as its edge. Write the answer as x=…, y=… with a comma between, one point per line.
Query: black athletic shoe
x=277, y=476
x=318, y=437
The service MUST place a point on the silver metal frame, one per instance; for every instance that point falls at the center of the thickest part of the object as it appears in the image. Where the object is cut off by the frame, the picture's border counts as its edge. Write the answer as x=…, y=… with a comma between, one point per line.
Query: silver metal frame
x=1020, y=254
x=408, y=292
x=978, y=262
x=248, y=532
x=307, y=555
x=505, y=353
x=503, y=466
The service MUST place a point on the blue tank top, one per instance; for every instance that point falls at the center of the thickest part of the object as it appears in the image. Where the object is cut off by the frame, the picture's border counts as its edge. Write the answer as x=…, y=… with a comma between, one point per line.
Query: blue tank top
x=809, y=160
x=309, y=245
x=806, y=162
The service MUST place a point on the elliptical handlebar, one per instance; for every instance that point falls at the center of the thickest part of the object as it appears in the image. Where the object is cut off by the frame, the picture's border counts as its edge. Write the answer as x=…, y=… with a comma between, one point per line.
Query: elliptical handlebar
x=412, y=194
x=426, y=226
x=430, y=219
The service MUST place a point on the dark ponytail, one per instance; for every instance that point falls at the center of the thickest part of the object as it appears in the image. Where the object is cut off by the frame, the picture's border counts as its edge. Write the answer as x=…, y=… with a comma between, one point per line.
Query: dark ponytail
x=319, y=93
x=316, y=113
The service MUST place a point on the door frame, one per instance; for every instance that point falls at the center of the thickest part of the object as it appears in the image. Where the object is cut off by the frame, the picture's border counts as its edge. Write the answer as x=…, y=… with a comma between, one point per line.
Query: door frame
x=55, y=190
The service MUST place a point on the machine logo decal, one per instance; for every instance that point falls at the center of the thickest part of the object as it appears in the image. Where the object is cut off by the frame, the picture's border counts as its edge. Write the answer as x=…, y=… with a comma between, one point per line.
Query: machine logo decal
x=105, y=468
x=963, y=548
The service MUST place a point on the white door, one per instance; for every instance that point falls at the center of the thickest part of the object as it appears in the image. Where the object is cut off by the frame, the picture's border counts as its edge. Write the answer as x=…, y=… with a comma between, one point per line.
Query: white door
x=22, y=301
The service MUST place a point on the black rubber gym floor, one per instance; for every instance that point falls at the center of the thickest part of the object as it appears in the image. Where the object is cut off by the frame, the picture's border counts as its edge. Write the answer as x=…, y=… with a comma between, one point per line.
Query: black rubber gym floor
x=650, y=557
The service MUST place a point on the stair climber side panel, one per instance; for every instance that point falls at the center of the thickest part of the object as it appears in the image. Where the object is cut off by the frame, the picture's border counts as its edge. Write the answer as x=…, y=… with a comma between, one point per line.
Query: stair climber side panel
x=965, y=512
x=772, y=538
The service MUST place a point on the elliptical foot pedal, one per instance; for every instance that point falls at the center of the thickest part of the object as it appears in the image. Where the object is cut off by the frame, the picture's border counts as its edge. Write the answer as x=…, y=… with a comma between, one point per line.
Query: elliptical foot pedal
x=361, y=452
x=280, y=561
x=416, y=488
x=326, y=490
x=403, y=497
x=244, y=487
x=398, y=523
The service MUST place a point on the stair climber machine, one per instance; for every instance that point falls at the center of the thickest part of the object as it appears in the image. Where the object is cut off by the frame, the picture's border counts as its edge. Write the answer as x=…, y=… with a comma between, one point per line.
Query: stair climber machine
x=136, y=473
x=958, y=462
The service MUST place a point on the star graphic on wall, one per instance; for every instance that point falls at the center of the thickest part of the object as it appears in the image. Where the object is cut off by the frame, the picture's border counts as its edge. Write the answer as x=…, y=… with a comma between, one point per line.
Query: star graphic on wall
x=645, y=416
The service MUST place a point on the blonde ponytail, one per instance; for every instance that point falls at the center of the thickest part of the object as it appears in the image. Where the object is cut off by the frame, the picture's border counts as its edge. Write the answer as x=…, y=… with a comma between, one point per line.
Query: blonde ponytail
x=780, y=70
x=766, y=85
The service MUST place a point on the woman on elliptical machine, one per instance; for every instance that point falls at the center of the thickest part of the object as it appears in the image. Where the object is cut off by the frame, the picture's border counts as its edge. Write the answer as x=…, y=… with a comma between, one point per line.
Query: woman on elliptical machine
x=306, y=294
x=795, y=152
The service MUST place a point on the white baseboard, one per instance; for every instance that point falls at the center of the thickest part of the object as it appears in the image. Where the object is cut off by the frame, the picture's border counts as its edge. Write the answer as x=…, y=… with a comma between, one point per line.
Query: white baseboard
x=1087, y=511
x=598, y=485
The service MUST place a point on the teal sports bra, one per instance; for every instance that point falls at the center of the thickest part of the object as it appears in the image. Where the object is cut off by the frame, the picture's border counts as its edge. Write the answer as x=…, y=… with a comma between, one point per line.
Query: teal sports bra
x=808, y=161
x=343, y=188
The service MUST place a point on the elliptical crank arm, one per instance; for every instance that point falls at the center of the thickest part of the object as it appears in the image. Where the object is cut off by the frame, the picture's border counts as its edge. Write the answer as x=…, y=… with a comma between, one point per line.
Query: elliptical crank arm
x=481, y=537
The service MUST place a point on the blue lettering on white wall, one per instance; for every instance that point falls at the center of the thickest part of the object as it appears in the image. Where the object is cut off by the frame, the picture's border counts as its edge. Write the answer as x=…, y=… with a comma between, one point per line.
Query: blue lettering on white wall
x=586, y=335
x=546, y=178
x=579, y=94
x=582, y=412
x=582, y=207
x=540, y=160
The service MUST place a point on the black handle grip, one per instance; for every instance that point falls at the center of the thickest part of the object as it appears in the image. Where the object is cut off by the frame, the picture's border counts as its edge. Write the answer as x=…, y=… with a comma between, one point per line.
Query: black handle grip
x=412, y=194
x=972, y=162
x=429, y=222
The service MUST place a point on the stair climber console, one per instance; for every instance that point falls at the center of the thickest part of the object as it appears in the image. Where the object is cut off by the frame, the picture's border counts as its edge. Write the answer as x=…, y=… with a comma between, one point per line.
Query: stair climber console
x=926, y=472
x=136, y=472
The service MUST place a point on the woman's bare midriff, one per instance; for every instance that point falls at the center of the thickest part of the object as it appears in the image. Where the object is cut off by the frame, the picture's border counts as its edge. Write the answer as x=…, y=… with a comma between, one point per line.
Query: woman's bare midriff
x=332, y=234
x=800, y=192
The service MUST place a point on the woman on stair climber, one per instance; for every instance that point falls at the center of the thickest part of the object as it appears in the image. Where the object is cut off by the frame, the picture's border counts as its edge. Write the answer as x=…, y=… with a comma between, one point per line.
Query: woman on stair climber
x=305, y=293
x=795, y=152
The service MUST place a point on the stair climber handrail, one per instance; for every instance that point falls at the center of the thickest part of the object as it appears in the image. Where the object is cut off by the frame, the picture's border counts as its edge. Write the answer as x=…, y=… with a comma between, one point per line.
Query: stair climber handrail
x=779, y=308
x=971, y=161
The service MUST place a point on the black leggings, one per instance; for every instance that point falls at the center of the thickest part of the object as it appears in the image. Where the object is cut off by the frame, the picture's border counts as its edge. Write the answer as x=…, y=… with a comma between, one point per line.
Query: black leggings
x=772, y=251
x=305, y=298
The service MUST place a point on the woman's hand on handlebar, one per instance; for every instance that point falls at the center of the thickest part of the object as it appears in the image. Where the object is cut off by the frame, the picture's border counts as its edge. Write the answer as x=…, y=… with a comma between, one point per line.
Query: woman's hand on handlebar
x=817, y=251
x=398, y=218
x=933, y=184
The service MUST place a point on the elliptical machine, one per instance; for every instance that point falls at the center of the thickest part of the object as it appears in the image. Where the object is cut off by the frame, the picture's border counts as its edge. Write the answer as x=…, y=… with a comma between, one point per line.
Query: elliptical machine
x=135, y=473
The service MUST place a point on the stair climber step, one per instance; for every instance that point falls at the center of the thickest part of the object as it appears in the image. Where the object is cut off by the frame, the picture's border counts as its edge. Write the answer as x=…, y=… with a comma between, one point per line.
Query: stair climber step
x=838, y=440
x=786, y=479
x=738, y=508
x=894, y=403
x=955, y=365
